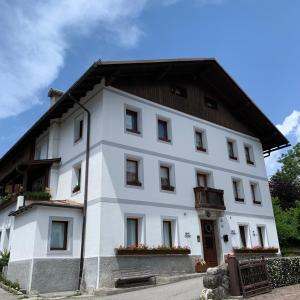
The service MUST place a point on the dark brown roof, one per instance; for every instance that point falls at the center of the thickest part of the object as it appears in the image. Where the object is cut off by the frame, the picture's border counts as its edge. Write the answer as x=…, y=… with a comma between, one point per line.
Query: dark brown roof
x=250, y=114
x=51, y=203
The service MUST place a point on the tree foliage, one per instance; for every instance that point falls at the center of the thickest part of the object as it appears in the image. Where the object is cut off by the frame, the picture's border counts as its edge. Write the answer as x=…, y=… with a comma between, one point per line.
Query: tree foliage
x=285, y=183
x=287, y=223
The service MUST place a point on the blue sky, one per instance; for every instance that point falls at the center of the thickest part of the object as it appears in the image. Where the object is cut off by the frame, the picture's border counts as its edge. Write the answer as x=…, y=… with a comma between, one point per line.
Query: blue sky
x=45, y=45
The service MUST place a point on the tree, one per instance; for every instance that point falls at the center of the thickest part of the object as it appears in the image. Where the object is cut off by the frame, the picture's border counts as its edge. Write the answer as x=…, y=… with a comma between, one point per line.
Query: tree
x=285, y=183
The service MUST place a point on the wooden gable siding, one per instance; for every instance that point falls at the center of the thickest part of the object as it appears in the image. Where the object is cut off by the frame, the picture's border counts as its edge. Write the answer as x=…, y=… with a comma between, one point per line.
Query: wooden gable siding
x=193, y=104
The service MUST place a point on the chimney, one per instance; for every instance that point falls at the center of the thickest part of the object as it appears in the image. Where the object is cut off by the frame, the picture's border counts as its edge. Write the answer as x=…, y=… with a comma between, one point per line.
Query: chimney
x=54, y=95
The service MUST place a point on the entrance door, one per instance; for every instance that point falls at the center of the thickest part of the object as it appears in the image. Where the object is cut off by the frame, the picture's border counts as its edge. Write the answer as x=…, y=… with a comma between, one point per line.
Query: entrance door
x=209, y=244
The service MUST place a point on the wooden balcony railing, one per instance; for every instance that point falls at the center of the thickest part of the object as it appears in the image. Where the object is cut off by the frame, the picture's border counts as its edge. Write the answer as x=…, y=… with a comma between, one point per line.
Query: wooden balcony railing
x=209, y=198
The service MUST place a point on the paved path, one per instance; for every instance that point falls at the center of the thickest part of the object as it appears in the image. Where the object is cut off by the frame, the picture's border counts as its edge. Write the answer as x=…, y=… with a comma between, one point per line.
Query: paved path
x=6, y=296
x=291, y=292
x=183, y=290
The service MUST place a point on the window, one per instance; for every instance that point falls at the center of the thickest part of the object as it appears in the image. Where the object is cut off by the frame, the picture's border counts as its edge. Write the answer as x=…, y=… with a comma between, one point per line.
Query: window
x=211, y=103
x=132, y=172
x=232, y=150
x=164, y=130
x=132, y=121
x=261, y=235
x=238, y=190
x=179, y=91
x=202, y=180
x=167, y=233
x=200, y=140
x=59, y=235
x=77, y=179
x=243, y=237
x=165, y=179
x=132, y=232
x=78, y=129
x=249, y=155
x=255, y=193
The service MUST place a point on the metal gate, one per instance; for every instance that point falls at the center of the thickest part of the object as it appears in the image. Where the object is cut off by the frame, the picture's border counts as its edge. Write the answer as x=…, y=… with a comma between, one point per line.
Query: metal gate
x=253, y=277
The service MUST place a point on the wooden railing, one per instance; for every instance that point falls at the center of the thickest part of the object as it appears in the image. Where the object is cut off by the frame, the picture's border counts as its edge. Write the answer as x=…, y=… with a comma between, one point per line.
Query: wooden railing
x=209, y=198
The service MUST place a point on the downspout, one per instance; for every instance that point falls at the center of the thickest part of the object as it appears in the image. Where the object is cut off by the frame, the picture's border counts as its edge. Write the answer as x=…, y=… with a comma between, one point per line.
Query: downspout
x=86, y=181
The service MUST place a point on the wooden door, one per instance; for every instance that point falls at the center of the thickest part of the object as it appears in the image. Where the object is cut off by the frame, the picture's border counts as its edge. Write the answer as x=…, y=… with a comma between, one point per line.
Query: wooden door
x=209, y=243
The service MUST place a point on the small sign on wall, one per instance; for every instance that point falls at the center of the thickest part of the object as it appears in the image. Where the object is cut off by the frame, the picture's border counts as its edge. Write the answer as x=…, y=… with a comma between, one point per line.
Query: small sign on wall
x=187, y=235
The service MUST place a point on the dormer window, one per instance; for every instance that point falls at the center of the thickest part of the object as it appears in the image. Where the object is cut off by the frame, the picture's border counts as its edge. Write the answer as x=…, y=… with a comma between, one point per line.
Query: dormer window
x=211, y=103
x=179, y=91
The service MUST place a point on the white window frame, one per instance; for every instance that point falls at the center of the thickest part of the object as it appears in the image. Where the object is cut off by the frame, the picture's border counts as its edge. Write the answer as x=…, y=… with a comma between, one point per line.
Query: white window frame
x=240, y=187
x=69, y=249
x=251, y=154
x=265, y=234
x=204, y=139
x=257, y=193
x=75, y=182
x=139, y=120
x=141, y=227
x=77, y=120
x=247, y=235
x=171, y=167
x=169, y=129
x=139, y=159
x=209, y=175
x=174, y=230
x=235, y=149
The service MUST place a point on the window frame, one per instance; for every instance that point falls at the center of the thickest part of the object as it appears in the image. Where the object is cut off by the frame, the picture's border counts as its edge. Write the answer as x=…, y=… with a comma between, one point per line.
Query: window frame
x=238, y=190
x=171, y=177
x=79, y=119
x=204, y=148
x=141, y=227
x=170, y=233
x=159, y=119
x=69, y=241
x=255, y=194
x=249, y=160
x=210, y=103
x=235, y=156
x=246, y=235
x=138, y=112
x=140, y=171
x=76, y=178
x=182, y=91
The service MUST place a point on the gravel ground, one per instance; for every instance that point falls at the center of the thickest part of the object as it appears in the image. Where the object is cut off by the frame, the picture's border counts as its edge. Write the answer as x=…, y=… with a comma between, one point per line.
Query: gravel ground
x=291, y=292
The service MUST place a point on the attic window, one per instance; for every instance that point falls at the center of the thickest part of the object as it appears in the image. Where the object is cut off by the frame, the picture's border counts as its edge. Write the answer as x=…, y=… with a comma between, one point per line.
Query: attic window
x=211, y=103
x=179, y=91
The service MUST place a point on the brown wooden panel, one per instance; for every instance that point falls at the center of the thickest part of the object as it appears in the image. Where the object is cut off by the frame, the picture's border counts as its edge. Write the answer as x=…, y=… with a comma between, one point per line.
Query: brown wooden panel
x=193, y=104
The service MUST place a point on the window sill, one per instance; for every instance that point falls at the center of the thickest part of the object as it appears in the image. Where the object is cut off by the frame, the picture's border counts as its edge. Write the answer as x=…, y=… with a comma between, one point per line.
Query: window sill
x=135, y=183
x=249, y=162
x=201, y=149
x=240, y=200
x=77, y=141
x=136, y=132
x=165, y=140
x=233, y=158
x=168, y=188
x=257, y=203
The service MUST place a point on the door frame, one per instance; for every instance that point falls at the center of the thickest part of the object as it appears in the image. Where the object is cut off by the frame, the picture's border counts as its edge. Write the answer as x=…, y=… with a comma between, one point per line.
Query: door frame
x=216, y=231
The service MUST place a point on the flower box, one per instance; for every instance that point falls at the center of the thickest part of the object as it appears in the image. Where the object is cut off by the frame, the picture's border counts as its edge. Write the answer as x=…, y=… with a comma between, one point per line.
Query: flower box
x=255, y=250
x=138, y=251
x=200, y=268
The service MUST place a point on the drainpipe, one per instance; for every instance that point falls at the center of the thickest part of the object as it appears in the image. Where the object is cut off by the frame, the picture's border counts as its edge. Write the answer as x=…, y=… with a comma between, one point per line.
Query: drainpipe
x=86, y=181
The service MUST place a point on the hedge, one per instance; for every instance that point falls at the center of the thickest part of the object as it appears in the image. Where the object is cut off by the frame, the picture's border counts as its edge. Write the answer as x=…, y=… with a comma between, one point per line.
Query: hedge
x=283, y=271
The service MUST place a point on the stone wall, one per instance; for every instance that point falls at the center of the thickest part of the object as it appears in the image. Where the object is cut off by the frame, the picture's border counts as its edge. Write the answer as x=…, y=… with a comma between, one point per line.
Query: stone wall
x=216, y=283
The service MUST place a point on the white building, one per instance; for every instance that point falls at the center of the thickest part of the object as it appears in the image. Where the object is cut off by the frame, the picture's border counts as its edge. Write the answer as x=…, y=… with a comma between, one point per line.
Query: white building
x=176, y=158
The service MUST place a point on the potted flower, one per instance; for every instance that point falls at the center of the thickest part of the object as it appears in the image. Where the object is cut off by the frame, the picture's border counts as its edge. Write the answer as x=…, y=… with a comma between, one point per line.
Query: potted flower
x=200, y=266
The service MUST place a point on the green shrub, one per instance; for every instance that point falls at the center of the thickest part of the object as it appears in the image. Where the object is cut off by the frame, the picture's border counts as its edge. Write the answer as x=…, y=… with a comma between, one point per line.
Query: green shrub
x=4, y=259
x=283, y=271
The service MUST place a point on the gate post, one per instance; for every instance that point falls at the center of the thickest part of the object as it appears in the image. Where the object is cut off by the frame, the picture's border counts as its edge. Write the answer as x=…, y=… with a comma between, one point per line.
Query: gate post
x=235, y=289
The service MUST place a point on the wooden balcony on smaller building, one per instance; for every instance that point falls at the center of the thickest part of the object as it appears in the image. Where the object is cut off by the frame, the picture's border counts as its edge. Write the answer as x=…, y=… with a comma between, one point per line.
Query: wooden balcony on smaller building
x=206, y=198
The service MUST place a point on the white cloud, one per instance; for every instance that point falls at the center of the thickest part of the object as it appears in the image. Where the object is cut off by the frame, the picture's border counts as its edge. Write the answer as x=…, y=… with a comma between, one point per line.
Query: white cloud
x=35, y=36
x=290, y=127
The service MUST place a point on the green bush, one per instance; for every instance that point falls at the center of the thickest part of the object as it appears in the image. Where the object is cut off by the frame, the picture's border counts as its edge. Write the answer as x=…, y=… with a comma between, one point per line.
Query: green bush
x=283, y=271
x=4, y=258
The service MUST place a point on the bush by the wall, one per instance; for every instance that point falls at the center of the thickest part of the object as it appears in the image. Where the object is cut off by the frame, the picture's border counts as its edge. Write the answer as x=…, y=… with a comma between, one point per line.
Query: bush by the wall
x=283, y=271
x=4, y=258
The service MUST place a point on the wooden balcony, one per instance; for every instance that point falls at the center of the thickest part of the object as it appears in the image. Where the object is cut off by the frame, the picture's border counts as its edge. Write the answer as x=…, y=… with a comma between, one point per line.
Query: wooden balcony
x=206, y=198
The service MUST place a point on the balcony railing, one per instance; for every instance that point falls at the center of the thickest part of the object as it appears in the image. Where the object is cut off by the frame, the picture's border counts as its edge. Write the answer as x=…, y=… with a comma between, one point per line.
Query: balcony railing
x=209, y=198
